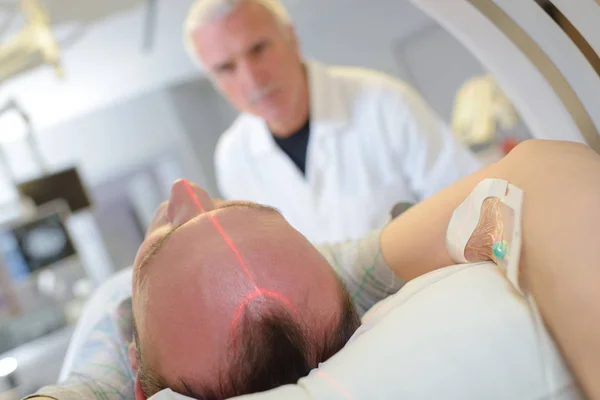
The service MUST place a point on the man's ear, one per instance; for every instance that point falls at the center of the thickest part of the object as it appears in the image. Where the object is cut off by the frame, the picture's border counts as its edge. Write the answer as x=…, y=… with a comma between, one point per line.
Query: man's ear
x=139, y=393
x=132, y=355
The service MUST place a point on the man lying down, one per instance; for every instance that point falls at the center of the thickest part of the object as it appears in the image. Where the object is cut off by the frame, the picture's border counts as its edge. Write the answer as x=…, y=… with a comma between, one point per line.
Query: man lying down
x=229, y=299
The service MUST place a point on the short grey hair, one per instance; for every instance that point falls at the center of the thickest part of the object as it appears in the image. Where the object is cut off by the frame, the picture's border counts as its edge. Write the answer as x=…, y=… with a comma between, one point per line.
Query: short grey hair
x=205, y=11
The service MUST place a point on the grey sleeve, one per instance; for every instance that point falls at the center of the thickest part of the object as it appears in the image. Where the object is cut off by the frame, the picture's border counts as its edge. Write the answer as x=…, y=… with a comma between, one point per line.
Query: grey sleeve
x=360, y=266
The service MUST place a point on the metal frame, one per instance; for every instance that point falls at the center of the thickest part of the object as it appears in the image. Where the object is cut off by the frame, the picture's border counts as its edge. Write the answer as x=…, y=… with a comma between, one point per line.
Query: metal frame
x=556, y=78
x=545, y=87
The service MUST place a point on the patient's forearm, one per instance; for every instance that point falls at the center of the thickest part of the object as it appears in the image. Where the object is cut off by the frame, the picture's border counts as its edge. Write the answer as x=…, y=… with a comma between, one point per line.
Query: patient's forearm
x=560, y=235
x=415, y=242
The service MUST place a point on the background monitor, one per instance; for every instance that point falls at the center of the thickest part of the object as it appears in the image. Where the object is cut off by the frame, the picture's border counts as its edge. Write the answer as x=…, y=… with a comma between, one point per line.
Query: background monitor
x=43, y=242
x=30, y=246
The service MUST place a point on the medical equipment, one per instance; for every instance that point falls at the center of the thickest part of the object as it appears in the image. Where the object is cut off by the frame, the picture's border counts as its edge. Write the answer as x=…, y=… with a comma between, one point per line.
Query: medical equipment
x=537, y=64
x=487, y=227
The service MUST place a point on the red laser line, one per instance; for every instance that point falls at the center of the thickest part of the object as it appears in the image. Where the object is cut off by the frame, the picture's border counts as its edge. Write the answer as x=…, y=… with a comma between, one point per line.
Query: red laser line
x=238, y=313
x=257, y=291
x=280, y=298
x=223, y=234
x=338, y=386
x=244, y=303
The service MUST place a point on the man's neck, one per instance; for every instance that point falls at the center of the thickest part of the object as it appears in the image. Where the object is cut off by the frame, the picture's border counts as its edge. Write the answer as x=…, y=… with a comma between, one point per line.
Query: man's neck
x=286, y=130
x=290, y=125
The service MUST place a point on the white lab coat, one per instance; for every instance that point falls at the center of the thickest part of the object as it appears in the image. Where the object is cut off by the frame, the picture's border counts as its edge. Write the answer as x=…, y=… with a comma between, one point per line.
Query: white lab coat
x=373, y=143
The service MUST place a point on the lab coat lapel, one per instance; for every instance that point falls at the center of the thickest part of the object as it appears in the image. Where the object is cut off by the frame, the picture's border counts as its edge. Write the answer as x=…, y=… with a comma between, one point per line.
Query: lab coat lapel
x=329, y=115
x=276, y=163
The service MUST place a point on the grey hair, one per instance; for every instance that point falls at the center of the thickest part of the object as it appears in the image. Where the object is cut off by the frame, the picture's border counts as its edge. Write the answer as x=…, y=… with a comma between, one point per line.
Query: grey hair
x=205, y=11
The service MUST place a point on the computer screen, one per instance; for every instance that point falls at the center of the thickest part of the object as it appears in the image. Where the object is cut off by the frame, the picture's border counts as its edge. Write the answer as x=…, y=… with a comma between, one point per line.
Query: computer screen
x=65, y=184
x=34, y=245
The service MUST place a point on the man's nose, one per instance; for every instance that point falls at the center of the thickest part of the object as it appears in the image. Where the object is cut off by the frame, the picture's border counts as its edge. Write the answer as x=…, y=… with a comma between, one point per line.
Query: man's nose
x=187, y=201
x=252, y=75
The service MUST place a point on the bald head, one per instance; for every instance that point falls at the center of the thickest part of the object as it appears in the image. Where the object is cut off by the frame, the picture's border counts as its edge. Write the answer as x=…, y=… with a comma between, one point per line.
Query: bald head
x=203, y=287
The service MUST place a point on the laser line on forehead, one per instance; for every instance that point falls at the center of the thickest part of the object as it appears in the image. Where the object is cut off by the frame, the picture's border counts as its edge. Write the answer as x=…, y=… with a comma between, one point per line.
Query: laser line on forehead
x=257, y=292
x=222, y=233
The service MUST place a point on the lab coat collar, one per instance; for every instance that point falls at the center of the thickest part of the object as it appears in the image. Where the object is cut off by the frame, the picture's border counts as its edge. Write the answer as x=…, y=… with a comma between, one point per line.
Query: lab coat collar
x=328, y=111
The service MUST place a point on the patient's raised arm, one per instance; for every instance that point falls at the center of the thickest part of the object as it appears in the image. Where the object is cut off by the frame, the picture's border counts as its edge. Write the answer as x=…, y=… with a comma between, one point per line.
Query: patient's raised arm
x=560, y=235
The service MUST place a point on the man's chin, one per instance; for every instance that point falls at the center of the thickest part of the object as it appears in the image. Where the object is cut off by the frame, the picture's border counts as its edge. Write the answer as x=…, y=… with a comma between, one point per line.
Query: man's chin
x=270, y=113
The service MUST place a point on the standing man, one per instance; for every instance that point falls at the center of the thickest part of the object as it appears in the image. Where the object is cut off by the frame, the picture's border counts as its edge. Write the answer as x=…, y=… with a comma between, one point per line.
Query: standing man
x=334, y=149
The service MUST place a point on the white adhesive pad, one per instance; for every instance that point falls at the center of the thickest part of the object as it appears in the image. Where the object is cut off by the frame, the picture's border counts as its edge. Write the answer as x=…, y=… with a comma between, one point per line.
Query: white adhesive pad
x=466, y=217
